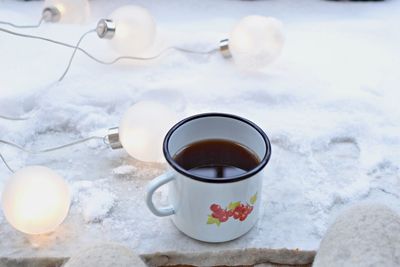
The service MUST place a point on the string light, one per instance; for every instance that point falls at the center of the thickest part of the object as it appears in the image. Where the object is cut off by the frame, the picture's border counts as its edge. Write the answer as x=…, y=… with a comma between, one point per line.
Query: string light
x=131, y=30
x=142, y=130
x=140, y=133
x=65, y=11
x=35, y=200
x=254, y=42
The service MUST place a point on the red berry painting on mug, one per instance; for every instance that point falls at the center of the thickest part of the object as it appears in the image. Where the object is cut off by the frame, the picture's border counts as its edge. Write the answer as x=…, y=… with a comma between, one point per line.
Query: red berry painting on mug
x=236, y=210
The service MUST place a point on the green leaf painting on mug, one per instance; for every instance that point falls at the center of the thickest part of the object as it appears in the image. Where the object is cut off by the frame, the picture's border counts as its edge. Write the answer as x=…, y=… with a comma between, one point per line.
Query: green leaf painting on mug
x=212, y=220
x=233, y=205
x=253, y=199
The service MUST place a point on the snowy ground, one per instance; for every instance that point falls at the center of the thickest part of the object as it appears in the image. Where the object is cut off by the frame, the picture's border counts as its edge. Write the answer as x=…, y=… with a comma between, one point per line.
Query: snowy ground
x=329, y=104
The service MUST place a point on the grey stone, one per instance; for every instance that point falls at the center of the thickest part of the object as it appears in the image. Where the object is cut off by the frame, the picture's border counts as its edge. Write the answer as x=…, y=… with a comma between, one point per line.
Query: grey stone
x=365, y=235
x=106, y=255
x=235, y=257
x=279, y=265
x=32, y=262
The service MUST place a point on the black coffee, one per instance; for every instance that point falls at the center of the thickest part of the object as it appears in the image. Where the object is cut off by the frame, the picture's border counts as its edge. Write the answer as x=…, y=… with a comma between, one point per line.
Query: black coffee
x=216, y=158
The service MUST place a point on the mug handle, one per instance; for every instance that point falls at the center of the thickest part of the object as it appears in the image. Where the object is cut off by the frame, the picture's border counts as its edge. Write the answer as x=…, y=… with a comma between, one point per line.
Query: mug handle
x=152, y=187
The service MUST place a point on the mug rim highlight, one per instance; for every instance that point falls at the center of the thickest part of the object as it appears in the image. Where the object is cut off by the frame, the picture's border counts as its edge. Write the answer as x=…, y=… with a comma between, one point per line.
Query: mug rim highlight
x=232, y=179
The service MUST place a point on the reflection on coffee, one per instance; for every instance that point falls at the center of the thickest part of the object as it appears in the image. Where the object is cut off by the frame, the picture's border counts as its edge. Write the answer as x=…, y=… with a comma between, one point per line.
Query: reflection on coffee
x=216, y=158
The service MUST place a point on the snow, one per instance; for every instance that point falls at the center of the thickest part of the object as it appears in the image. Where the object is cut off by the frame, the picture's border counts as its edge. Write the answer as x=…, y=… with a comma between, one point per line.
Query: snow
x=95, y=203
x=329, y=105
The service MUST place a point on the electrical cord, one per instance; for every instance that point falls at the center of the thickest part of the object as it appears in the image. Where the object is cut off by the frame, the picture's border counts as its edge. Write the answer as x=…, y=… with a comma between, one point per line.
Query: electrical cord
x=13, y=118
x=73, y=53
x=76, y=48
x=104, y=62
x=104, y=138
x=37, y=25
x=6, y=164
x=53, y=148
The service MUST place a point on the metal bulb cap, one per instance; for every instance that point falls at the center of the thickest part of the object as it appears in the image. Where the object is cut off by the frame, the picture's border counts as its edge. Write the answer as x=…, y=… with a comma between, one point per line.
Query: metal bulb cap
x=105, y=29
x=51, y=14
x=224, y=48
x=113, y=138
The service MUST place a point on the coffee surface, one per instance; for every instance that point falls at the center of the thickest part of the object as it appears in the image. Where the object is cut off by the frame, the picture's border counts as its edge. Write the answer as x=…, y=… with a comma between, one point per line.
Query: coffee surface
x=216, y=158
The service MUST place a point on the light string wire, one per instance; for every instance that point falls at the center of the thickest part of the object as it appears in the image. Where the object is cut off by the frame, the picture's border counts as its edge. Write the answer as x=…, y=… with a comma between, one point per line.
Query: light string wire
x=115, y=60
x=76, y=48
x=51, y=149
x=13, y=118
x=183, y=50
x=37, y=25
x=6, y=164
x=73, y=53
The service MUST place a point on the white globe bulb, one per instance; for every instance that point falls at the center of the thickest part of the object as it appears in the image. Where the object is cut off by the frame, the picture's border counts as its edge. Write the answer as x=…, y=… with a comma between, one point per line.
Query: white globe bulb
x=142, y=130
x=71, y=11
x=256, y=41
x=135, y=30
x=35, y=200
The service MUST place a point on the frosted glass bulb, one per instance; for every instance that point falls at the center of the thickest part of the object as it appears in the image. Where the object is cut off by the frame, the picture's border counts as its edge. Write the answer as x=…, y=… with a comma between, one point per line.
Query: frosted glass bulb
x=35, y=200
x=71, y=11
x=142, y=130
x=135, y=30
x=256, y=41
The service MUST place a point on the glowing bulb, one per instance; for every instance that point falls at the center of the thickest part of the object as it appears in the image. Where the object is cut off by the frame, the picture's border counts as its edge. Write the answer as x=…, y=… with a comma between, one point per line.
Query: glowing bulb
x=35, y=200
x=142, y=130
x=134, y=30
x=66, y=11
x=256, y=41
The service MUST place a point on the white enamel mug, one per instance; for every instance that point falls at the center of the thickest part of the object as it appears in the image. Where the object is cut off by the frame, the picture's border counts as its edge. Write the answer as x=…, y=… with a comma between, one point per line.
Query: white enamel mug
x=212, y=209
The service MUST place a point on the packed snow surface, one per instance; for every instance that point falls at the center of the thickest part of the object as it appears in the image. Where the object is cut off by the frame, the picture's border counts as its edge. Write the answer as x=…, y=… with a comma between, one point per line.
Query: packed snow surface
x=330, y=106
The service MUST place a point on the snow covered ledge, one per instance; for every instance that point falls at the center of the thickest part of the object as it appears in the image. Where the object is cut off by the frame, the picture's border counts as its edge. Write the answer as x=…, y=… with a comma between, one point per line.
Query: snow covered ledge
x=349, y=241
x=108, y=206
x=97, y=215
